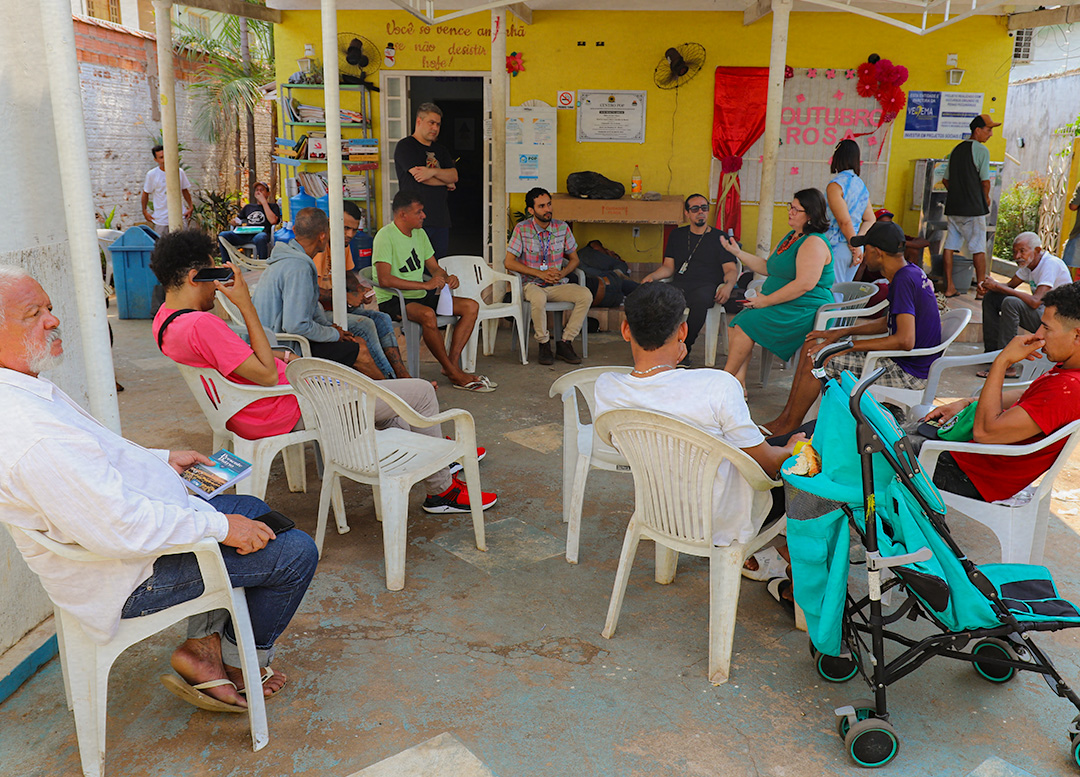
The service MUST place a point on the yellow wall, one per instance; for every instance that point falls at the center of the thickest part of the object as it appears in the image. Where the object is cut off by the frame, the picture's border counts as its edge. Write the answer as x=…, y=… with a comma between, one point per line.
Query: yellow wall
x=675, y=157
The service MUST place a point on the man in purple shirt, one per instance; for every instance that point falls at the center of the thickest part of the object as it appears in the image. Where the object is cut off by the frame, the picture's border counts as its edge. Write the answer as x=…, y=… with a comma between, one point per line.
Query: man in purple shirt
x=913, y=322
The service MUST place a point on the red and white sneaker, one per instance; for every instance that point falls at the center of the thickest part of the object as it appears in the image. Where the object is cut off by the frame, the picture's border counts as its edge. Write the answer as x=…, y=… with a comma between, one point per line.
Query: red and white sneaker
x=456, y=466
x=456, y=499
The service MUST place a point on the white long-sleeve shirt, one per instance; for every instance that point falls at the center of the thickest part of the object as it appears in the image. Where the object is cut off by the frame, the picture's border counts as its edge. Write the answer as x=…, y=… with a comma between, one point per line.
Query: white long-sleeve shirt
x=63, y=473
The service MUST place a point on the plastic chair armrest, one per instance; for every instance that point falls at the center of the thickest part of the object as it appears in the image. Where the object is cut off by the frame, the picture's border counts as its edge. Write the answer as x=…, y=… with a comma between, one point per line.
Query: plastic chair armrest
x=303, y=342
x=824, y=316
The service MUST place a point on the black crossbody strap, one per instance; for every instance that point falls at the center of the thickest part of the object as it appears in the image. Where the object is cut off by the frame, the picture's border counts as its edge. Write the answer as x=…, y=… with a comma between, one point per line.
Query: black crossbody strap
x=169, y=320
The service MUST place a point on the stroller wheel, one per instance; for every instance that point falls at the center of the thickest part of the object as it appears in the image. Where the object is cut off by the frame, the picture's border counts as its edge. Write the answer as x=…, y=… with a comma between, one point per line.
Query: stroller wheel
x=1074, y=746
x=864, y=709
x=992, y=648
x=837, y=669
x=872, y=743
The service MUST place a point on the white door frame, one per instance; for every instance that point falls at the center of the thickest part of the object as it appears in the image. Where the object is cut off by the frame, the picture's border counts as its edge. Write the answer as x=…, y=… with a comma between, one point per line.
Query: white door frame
x=388, y=174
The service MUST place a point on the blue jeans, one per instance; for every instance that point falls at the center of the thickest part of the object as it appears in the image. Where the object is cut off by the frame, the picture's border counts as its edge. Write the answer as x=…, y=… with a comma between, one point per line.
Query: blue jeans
x=274, y=578
x=365, y=325
x=260, y=239
x=1071, y=254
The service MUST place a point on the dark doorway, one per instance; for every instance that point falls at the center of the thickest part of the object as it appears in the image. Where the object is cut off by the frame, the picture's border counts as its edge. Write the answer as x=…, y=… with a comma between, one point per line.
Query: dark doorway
x=461, y=99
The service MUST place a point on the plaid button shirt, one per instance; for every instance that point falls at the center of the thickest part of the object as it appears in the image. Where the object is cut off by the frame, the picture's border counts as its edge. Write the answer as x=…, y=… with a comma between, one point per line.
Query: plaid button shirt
x=533, y=246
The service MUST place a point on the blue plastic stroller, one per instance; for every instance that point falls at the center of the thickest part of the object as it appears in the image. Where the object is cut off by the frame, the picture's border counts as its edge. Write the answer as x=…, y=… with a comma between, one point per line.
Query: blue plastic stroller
x=871, y=481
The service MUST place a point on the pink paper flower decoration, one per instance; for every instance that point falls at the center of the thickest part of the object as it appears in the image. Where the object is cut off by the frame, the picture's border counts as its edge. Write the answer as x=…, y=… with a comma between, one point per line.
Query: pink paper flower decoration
x=789, y=72
x=761, y=158
x=800, y=98
x=839, y=95
x=514, y=65
x=830, y=73
x=850, y=73
x=812, y=72
x=794, y=171
x=871, y=141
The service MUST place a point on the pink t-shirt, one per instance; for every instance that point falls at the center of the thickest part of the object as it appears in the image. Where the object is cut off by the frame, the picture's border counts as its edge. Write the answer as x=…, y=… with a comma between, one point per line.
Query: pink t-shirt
x=205, y=341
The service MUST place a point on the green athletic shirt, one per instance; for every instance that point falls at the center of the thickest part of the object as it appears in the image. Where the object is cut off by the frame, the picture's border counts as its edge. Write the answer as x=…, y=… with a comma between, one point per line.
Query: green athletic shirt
x=405, y=254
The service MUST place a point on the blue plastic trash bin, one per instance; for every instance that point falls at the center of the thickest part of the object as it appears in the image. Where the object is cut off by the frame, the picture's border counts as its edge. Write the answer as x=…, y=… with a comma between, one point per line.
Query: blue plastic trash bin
x=135, y=281
x=361, y=247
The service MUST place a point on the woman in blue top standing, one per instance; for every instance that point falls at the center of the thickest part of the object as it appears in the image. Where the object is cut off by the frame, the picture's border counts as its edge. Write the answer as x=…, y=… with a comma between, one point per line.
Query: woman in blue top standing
x=800, y=281
x=850, y=212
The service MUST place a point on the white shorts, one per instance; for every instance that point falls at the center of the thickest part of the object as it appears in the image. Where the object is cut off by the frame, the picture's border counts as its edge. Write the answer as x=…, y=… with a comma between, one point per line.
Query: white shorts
x=966, y=229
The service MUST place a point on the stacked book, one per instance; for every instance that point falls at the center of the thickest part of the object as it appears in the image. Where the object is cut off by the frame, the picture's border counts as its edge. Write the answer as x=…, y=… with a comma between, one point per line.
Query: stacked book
x=313, y=183
x=355, y=187
x=312, y=113
x=360, y=150
x=351, y=117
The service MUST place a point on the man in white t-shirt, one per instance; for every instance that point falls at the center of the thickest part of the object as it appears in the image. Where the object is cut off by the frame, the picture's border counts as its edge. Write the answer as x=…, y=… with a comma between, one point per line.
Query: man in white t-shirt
x=1006, y=307
x=711, y=400
x=154, y=187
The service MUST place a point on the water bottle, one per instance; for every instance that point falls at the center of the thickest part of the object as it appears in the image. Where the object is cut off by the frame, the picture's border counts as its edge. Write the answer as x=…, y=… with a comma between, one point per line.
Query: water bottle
x=635, y=183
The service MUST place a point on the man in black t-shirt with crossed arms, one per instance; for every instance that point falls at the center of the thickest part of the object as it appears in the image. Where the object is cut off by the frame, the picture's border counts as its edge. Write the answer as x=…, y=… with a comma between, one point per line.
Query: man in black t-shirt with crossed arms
x=698, y=265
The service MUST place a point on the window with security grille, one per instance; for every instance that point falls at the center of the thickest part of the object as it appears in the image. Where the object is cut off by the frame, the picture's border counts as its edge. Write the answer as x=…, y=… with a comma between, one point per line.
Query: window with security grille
x=1022, y=45
x=199, y=23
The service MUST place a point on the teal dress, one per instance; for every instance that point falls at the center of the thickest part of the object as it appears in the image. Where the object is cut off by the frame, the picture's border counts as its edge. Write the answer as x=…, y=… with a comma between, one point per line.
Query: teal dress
x=783, y=328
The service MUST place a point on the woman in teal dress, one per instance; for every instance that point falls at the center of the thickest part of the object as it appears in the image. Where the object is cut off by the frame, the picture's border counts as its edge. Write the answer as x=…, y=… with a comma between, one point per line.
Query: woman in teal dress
x=800, y=281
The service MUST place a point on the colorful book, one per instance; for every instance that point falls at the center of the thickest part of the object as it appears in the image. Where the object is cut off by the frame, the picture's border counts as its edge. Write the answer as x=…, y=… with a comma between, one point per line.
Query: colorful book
x=209, y=480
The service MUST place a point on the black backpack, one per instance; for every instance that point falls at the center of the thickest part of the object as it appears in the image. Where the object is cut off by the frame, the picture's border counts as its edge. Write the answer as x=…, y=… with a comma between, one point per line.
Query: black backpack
x=593, y=186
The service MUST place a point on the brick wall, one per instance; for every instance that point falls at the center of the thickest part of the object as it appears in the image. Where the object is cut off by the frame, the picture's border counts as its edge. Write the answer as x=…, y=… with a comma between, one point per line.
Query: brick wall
x=119, y=75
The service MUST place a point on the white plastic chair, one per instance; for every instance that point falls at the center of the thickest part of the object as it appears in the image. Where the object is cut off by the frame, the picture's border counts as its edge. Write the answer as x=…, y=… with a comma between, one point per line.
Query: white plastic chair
x=475, y=275
x=557, y=309
x=582, y=449
x=242, y=260
x=853, y=296
x=341, y=404
x=85, y=663
x=1029, y=371
x=220, y=399
x=236, y=322
x=674, y=466
x=1020, y=529
x=411, y=329
x=952, y=324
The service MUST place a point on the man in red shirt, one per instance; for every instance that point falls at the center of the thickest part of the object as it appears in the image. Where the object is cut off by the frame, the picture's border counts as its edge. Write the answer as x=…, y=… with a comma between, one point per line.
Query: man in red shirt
x=198, y=338
x=1017, y=417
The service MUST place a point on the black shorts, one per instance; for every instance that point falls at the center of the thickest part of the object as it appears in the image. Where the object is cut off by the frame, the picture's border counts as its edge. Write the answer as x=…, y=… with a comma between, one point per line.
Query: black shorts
x=392, y=306
x=342, y=352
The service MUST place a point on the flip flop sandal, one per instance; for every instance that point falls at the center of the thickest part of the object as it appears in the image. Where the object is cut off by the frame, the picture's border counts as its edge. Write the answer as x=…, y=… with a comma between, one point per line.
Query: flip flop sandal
x=950, y=296
x=487, y=381
x=770, y=564
x=1009, y=374
x=475, y=385
x=193, y=694
x=779, y=586
x=267, y=673
x=764, y=430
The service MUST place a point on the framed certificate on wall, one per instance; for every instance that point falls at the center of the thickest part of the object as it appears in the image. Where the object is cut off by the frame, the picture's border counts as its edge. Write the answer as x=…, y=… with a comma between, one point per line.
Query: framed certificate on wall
x=611, y=117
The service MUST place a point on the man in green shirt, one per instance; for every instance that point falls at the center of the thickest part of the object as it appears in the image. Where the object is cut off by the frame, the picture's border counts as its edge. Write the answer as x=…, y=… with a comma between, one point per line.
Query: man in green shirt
x=400, y=255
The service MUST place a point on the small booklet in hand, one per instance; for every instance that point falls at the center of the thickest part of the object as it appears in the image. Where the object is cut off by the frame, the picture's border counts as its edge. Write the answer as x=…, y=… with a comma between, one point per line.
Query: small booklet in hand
x=209, y=480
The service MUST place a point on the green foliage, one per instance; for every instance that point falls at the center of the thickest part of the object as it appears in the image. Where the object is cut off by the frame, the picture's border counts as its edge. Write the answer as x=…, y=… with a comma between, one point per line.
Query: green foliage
x=514, y=217
x=1018, y=212
x=158, y=139
x=227, y=87
x=214, y=211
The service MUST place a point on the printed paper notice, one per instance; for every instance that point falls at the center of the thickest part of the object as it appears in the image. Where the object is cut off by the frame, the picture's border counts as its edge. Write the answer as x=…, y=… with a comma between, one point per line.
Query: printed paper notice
x=515, y=131
x=611, y=117
x=529, y=167
x=941, y=115
x=543, y=132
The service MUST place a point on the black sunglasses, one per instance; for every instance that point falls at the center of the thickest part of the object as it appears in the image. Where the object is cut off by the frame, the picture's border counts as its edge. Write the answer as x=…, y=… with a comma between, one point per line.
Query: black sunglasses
x=697, y=209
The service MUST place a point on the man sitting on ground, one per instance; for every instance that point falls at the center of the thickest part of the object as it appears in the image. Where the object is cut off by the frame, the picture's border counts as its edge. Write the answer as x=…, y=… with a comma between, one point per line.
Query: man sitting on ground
x=1006, y=308
x=287, y=299
x=357, y=293
x=1019, y=417
x=543, y=252
x=68, y=476
x=189, y=334
x=711, y=400
x=913, y=322
x=401, y=253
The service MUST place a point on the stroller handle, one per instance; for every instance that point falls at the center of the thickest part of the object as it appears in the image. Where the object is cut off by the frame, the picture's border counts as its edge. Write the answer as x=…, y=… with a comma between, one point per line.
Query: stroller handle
x=838, y=347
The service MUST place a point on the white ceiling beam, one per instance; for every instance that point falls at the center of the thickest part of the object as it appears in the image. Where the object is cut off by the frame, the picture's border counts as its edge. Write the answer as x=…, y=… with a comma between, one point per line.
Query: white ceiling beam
x=1066, y=14
x=756, y=10
x=424, y=10
x=950, y=20
x=236, y=8
x=521, y=11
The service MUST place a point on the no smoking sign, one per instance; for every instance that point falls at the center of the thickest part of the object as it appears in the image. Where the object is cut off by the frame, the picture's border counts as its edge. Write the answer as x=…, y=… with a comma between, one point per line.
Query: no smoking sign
x=565, y=99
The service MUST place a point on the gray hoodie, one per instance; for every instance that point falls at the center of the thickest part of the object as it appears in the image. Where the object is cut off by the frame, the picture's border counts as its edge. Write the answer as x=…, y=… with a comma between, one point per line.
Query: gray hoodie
x=287, y=295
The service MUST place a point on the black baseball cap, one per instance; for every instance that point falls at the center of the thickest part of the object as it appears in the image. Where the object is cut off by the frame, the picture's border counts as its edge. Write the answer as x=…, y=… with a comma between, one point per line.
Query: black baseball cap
x=886, y=235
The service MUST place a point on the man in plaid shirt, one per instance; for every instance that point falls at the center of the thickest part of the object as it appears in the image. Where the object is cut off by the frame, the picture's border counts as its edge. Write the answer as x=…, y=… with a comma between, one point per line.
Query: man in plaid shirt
x=543, y=252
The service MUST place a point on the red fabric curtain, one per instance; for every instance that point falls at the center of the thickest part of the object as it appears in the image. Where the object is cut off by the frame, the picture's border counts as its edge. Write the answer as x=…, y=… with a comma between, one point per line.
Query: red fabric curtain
x=738, y=121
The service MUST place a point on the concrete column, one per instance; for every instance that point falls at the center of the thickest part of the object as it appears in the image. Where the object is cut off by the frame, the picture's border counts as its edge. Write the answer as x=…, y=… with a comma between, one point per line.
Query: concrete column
x=78, y=201
x=167, y=92
x=781, y=12
x=334, y=178
x=500, y=91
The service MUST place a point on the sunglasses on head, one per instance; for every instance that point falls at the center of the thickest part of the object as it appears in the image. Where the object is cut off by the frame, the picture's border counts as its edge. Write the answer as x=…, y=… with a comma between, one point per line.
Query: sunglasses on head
x=698, y=209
